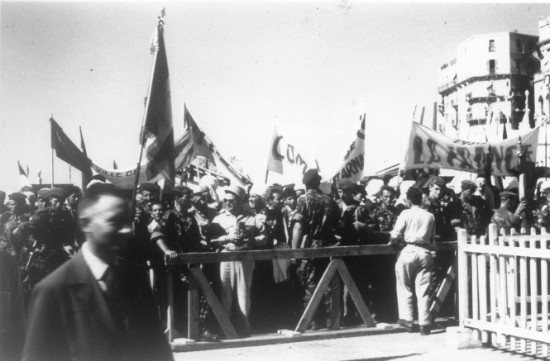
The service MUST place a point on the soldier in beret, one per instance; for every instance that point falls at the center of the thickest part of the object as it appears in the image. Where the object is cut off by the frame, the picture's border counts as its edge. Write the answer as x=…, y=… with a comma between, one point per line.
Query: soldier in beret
x=42, y=198
x=11, y=223
x=74, y=194
x=315, y=222
x=62, y=226
x=510, y=214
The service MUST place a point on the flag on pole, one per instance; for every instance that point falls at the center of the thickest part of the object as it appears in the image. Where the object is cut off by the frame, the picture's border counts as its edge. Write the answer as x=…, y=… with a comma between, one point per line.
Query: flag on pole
x=115, y=166
x=285, y=159
x=354, y=160
x=196, y=143
x=66, y=150
x=23, y=177
x=158, y=134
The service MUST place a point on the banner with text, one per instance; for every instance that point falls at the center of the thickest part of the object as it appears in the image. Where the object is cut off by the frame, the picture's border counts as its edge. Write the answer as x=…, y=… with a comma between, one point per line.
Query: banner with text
x=354, y=160
x=430, y=149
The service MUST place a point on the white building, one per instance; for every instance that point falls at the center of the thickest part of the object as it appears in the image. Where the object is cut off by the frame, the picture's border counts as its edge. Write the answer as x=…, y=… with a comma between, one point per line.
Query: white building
x=486, y=84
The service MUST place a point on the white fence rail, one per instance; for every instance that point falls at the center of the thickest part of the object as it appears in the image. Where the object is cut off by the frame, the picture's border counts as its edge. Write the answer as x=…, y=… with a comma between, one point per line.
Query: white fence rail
x=503, y=289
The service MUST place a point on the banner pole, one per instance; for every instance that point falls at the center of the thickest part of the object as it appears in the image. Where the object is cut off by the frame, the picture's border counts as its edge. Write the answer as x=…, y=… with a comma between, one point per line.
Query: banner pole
x=52, y=167
x=266, y=175
x=51, y=140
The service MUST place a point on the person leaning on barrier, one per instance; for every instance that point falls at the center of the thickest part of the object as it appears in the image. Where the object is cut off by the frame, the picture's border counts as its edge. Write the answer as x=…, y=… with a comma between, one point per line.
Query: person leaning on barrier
x=96, y=306
x=315, y=222
x=510, y=214
x=415, y=230
x=235, y=229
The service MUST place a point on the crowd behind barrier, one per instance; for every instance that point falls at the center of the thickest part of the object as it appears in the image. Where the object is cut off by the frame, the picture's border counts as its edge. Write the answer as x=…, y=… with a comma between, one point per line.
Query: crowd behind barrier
x=39, y=231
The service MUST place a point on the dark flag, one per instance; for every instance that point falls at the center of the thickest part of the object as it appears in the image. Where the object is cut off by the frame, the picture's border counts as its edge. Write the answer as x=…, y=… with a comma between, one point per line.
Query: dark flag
x=158, y=116
x=66, y=150
x=115, y=166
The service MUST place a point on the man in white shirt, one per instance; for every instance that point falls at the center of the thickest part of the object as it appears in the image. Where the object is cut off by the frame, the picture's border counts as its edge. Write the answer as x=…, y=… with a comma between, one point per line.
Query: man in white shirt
x=415, y=227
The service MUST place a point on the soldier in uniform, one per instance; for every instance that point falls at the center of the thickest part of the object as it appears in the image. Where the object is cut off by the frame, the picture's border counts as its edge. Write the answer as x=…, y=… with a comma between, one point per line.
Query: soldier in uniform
x=11, y=223
x=62, y=225
x=42, y=198
x=74, y=194
x=316, y=220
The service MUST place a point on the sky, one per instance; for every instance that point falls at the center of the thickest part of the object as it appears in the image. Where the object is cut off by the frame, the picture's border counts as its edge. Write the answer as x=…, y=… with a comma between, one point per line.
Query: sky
x=311, y=67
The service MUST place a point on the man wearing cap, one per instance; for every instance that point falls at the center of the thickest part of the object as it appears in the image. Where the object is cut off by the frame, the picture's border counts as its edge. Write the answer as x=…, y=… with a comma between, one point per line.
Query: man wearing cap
x=231, y=230
x=509, y=215
x=415, y=229
x=316, y=220
x=11, y=223
x=74, y=194
x=42, y=198
x=62, y=225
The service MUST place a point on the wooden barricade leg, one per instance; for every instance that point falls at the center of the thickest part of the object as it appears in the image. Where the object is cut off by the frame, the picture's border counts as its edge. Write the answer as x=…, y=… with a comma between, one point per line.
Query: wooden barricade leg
x=317, y=296
x=217, y=308
x=193, y=306
x=355, y=294
x=170, y=301
x=443, y=291
x=335, y=302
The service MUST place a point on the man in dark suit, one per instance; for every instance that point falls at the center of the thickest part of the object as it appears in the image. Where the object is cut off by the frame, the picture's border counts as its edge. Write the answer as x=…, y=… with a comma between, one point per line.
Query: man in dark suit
x=96, y=306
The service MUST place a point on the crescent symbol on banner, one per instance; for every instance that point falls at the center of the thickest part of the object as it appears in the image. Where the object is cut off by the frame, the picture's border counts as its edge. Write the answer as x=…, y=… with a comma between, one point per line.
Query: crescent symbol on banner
x=276, y=155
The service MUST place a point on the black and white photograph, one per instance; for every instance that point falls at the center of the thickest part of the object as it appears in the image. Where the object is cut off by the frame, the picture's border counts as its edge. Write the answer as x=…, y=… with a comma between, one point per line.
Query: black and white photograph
x=325, y=180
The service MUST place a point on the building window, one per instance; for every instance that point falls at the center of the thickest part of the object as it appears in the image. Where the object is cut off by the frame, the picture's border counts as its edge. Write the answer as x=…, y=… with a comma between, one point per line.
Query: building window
x=519, y=46
x=491, y=45
x=492, y=67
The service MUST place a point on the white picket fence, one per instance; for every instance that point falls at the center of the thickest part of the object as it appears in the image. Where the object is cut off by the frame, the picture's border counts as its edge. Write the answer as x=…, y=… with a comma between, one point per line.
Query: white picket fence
x=503, y=289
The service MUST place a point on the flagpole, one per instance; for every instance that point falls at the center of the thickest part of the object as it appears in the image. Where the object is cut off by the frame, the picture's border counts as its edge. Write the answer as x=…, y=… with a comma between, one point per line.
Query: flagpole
x=51, y=117
x=266, y=174
x=142, y=135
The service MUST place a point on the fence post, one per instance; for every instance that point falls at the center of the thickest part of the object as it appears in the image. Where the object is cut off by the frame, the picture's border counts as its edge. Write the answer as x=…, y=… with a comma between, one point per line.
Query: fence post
x=463, y=294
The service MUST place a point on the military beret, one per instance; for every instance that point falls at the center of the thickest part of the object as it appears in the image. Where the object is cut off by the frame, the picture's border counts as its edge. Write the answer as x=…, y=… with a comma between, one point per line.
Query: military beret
x=468, y=184
x=311, y=176
x=57, y=192
x=508, y=194
x=414, y=195
x=17, y=197
x=438, y=181
x=235, y=190
x=346, y=185
x=181, y=190
x=43, y=193
x=149, y=187
x=73, y=189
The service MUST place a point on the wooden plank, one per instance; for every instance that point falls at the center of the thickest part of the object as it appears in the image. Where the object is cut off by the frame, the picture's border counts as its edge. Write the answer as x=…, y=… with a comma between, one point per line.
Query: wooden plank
x=508, y=330
x=318, y=295
x=508, y=251
x=475, y=285
x=170, y=309
x=193, y=306
x=493, y=279
x=217, y=308
x=511, y=284
x=271, y=254
x=483, y=286
x=355, y=295
x=335, y=302
x=544, y=296
x=533, y=288
x=463, y=292
x=443, y=291
x=523, y=284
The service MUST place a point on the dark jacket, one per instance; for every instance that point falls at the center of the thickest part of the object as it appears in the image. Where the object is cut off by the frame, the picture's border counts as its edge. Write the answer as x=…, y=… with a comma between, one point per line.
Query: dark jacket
x=69, y=318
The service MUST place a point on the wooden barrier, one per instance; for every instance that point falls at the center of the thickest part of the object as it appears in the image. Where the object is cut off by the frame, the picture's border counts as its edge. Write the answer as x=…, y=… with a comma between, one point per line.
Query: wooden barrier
x=503, y=289
x=335, y=271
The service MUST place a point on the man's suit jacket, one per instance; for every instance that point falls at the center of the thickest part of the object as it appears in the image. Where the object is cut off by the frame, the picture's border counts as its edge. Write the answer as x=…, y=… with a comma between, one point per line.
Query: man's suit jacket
x=69, y=318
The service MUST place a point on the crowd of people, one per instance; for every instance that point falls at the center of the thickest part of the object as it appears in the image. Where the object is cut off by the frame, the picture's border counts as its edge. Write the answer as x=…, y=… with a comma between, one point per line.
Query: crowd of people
x=41, y=230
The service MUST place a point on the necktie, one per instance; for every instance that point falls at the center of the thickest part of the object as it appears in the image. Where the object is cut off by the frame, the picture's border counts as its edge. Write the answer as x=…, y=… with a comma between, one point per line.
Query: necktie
x=113, y=295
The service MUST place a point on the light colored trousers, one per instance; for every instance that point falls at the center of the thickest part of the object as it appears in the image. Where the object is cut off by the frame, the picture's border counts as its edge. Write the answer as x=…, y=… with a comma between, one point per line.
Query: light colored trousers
x=236, y=280
x=413, y=271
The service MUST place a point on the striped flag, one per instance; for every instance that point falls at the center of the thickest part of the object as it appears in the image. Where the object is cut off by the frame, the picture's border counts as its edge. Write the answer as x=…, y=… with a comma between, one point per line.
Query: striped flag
x=196, y=143
x=158, y=134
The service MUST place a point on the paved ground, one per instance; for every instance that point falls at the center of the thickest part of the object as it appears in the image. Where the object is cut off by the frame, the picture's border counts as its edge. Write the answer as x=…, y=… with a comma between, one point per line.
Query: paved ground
x=374, y=346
